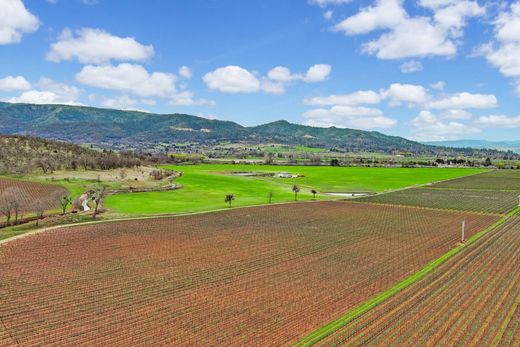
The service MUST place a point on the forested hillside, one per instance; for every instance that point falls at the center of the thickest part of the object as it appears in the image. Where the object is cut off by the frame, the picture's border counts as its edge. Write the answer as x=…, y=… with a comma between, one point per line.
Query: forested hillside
x=137, y=130
x=23, y=154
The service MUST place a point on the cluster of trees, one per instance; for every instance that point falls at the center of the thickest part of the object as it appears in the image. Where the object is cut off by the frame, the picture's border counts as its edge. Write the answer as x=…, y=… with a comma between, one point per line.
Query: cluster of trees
x=229, y=198
x=14, y=202
x=25, y=154
x=179, y=158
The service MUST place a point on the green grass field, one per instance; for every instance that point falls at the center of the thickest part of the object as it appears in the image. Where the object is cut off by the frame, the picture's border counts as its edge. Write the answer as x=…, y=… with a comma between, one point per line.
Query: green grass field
x=204, y=186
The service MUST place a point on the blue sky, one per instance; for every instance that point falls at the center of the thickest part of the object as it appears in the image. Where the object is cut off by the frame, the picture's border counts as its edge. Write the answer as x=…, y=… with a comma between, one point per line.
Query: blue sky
x=425, y=69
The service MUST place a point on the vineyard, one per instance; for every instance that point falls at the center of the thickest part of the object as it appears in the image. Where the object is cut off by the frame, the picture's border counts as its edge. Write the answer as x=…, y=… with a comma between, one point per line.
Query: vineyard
x=28, y=193
x=472, y=300
x=490, y=192
x=491, y=180
x=485, y=201
x=254, y=276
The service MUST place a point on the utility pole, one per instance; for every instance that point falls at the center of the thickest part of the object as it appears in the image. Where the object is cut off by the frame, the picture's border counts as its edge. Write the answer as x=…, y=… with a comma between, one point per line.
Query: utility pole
x=462, y=240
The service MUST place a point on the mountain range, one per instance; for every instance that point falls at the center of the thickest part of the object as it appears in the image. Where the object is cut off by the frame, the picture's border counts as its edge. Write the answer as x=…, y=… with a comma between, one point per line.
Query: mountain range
x=513, y=146
x=132, y=129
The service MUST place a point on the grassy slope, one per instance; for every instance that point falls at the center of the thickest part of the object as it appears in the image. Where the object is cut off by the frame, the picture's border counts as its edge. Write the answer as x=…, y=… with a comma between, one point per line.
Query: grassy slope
x=206, y=185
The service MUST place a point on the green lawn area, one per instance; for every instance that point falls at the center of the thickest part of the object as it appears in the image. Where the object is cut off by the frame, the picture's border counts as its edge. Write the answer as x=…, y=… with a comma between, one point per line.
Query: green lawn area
x=206, y=185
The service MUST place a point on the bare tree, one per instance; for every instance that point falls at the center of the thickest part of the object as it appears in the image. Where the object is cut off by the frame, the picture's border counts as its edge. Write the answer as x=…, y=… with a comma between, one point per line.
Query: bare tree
x=296, y=190
x=98, y=194
x=229, y=198
x=39, y=210
x=11, y=203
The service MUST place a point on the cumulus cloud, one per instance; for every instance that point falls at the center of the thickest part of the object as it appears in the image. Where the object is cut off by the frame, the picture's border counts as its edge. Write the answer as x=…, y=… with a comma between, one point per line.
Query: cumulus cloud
x=186, y=98
x=438, y=33
x=348, y=117
x=463, y=100
x=328, y=14
x=121, y=102
x=49, y=92
x=317, y=73
x=499, y=121
x=185, y=72
x=402, y=41
x=411, y=66
x=282, y=74
x=347, y=111
x=428, y=126
x=272, y=87
x=399, y=93
x=503, y=52
x=323, y=3
x=15, y=21
x=135, y=80
x=384, y=14
x=128, y=78
x=236, y=79
x=357, y=98
x=95, y=46
x=232, y=79
x=11, y=83
x=438, y=85
x=457, y=114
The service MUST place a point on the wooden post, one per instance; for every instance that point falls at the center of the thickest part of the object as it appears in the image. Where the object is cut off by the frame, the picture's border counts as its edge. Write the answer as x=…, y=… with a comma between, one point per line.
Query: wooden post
x=462, y=240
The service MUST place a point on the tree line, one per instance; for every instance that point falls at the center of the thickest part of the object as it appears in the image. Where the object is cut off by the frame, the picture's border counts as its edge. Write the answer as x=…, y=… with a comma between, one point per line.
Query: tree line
x=25, y=154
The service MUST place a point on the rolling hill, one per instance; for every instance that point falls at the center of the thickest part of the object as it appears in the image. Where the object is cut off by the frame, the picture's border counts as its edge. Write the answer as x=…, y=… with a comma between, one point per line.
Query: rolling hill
x=131, y=129
x=481, y=144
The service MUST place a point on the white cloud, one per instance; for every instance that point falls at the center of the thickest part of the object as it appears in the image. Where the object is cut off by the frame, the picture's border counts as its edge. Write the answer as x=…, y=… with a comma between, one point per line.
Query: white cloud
x=451, y=15
x=15, y=21
x=128, y=78
x=272, y=87
x=317, y=73
x=49, y=92
x=10, y=83
x=457, y=114
x=40, y=97
x=430, y=127
x=384, y=14
x=463, y=100
x=236, y=79
x=232, y=79
x=186, y=98
x=95, y=46
x=438, y=33
x=356, y=98
x=348, y=117
x=503, y=52
x=185, y=72
x=121, y=102
x=65, y=91
x=398, y=93
x=499, y=121
x=438, y=85
x=402, y=41
x=411, y=66
x=282, y=74
x=207, y=116
x=328, y=14
x=323, y=3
